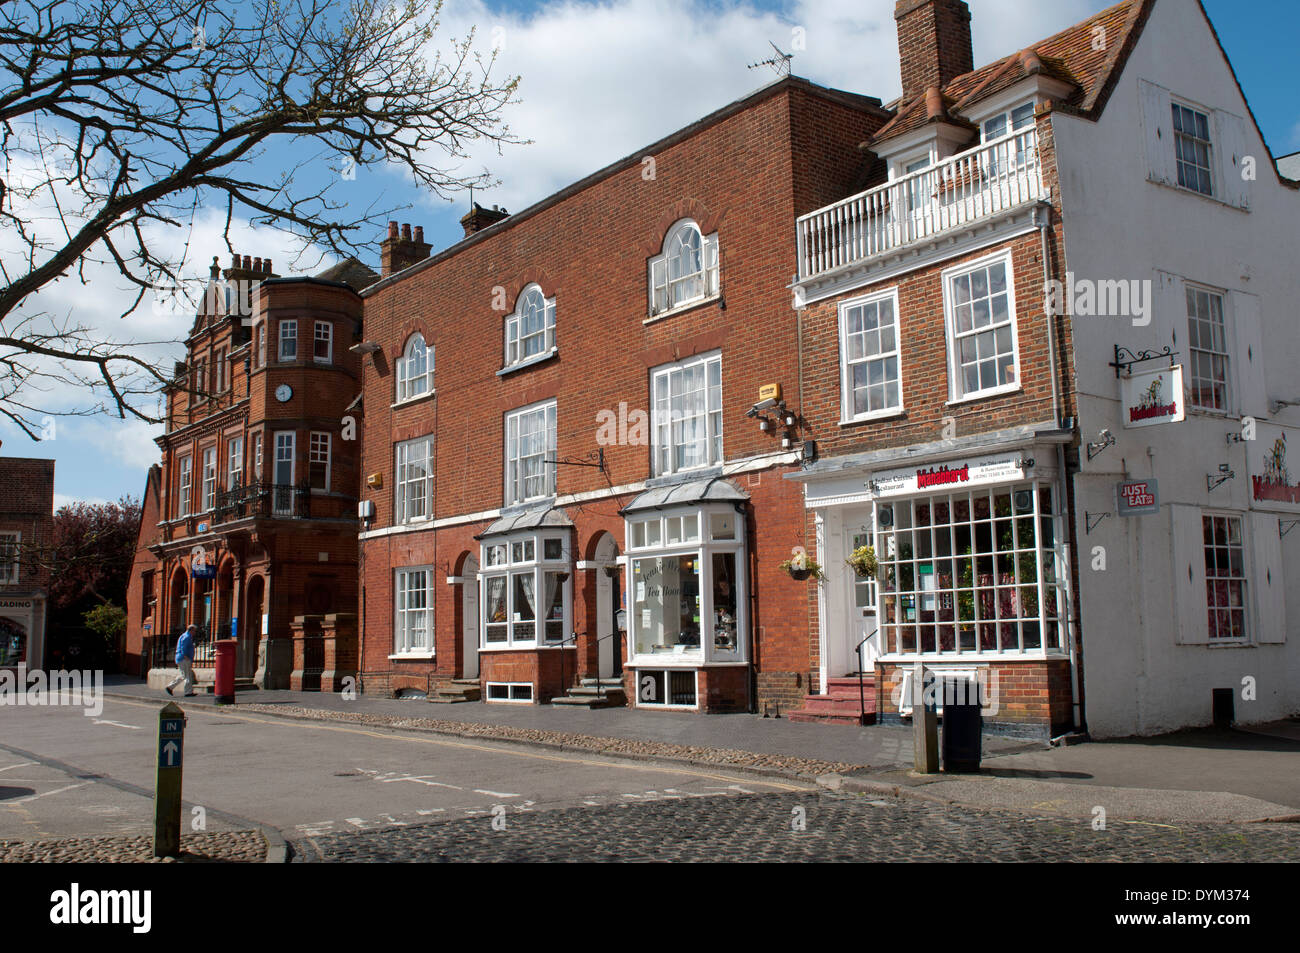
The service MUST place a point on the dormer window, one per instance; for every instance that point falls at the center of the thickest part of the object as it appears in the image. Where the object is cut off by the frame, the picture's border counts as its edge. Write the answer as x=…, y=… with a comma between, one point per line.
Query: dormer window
x=687, y=271
x=1013, y=120
x=415, y=370
x=530, y=330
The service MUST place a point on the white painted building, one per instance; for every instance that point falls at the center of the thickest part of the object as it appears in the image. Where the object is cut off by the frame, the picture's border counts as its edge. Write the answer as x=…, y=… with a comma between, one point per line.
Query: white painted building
x=1204, y=594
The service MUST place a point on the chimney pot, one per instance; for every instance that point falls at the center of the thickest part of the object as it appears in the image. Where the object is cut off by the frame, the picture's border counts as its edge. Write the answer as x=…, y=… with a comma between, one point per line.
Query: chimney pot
x=266, y=265
x=257, y=263
x=419, y=233
x=248, y=262
x=392, y=229
x=234, y=261
x=406, y=232
x=933, y=103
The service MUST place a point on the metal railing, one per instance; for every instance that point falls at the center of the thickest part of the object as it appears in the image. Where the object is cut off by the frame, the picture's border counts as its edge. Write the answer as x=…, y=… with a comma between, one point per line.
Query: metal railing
x=862, y=689
x=958, y=191
x=291, y=501
x=162, y=651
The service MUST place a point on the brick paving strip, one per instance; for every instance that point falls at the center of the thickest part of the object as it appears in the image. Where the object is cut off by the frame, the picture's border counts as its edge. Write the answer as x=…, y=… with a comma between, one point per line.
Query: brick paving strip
x=781, y=765
x=216, y=847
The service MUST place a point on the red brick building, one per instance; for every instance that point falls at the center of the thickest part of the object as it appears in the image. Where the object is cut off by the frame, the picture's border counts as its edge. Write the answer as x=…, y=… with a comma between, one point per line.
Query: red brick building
x=26, y=527
x=562, y=421
x=250, y=520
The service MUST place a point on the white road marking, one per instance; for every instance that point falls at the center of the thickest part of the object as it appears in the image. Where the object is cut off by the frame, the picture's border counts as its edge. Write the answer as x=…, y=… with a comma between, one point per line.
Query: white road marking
x=33, y=797
x=20, y=764
x=421, y=779
x=494, y=793
x=117, y=724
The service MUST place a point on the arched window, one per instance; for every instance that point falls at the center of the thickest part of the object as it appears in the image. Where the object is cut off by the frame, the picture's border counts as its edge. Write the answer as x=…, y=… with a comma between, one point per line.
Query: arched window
x=414, y=370
x=530, y=330
x=687, y=270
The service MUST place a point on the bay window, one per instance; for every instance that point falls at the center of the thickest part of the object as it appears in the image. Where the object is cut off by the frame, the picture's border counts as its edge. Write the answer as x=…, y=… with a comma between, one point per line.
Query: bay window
x=687, y=585
x=527, y=591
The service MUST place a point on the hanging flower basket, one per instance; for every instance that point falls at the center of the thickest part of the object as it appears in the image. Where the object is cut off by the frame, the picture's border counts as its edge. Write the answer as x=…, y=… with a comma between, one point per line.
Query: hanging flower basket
x=800, y=566
x=863, y=561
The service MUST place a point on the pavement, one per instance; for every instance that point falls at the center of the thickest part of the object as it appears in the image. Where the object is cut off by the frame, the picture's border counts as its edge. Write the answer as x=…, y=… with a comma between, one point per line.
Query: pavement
x=1198, y=776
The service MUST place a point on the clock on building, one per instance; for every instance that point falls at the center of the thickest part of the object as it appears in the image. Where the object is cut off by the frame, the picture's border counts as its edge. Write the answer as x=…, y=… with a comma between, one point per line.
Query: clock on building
x=283, y=393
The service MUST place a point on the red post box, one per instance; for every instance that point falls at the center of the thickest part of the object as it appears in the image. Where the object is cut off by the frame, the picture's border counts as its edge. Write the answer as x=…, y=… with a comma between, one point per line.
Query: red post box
x=224, y=690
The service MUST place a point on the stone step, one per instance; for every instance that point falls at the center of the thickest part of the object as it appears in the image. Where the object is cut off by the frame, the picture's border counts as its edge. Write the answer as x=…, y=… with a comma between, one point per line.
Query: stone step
x=467, y=682
x=828, y=719
x=607, y=682
x=588, y=701
x=834, y=704
x=451, y=694
x=597, y=690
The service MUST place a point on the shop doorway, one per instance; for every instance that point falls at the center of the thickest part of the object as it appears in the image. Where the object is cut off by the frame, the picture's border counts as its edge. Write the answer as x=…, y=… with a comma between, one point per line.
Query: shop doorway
x=251, y=634
x=855, y=605
x=608, y=596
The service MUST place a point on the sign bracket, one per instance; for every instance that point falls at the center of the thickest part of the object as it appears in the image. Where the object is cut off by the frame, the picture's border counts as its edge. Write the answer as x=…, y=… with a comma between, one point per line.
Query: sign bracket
x=1285, y=526
x=1139, y=357
x=1089, y=523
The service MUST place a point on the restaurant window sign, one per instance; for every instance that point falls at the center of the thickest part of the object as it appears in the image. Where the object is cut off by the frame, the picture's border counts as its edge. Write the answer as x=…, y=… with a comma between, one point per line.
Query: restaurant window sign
x=1148, y=398
x=908, y=480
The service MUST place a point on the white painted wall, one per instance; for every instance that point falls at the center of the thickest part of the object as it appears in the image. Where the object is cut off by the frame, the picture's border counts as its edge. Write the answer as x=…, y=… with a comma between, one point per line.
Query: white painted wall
x=1137, y=678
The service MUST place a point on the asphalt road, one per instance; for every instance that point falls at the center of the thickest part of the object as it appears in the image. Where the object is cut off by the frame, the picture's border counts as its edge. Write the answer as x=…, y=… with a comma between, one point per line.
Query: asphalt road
x=63, y=773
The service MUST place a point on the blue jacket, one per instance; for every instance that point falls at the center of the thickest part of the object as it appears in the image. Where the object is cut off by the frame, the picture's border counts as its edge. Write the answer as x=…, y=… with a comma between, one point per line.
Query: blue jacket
x=185, y=646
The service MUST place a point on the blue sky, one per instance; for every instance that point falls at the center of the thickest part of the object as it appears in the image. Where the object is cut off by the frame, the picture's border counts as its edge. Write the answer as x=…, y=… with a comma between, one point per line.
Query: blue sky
x=645, y=67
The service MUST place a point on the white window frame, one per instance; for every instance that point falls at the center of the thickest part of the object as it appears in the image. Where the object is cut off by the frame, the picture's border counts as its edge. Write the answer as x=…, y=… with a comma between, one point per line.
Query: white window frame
x=402, y=614
x=515, y=338
x=516, y=481
x=669, y=673
x=209, y=486
x=1189, y=384
x=1245, y=554
x=651, y=535
x=1008, y=126
x=284, y=501
x=260, y=334
x=1195, y=139
x=327, y=337
x=508, y=556
x=956, y=382
x=257, y=456
x=847, y=414
x=288, y=334
x=403, y=458
x=315, y=440
x=407, y=378
x=513, y=693
x=234, y=463
x=667, y=293
x=667, y=423
x=185, y=485
x=10, y=569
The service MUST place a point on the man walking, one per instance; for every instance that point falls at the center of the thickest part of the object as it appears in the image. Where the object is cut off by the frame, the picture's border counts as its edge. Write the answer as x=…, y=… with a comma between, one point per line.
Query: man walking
x=185, y=661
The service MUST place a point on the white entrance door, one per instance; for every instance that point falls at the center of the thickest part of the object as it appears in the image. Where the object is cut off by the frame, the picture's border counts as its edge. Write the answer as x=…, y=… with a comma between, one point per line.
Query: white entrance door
x=862, y=612
x=469, y=607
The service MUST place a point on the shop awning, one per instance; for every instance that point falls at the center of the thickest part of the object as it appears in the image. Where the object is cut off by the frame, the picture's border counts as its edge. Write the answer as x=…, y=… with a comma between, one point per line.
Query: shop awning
x=714, y=490
x=538, y=517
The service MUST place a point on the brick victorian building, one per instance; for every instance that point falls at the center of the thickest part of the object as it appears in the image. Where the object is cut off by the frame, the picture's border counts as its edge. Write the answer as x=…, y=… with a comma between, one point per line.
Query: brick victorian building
x=560, y=424
x=249, y=526
x=26, y=528
x=1046, y=237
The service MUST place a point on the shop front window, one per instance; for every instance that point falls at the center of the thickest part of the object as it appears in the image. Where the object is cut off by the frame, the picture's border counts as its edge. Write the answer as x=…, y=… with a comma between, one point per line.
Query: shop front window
x=971, y=573
x=686, y=592
x=520, y=591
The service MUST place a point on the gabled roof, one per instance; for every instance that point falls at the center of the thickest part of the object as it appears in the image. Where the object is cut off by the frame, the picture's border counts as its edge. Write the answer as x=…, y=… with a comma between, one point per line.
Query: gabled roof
x=1073, y=56
x=1289, y=166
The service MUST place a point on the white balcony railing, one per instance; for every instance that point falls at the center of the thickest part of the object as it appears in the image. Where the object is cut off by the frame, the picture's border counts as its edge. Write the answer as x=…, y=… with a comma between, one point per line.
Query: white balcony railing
x=960, y=190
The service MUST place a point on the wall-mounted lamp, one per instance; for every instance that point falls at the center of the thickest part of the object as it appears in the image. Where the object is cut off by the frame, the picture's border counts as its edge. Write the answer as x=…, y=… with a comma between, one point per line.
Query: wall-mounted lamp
x=1104, y=439
x=764, y=424
x=787, y=441
x=788, y=418
x=1275, y=405
x=1225, y=474
x=1025, y=463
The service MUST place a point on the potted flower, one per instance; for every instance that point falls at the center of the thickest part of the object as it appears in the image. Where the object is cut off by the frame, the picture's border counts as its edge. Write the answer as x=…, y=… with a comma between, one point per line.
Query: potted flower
x=863, y=561
x=800, y=566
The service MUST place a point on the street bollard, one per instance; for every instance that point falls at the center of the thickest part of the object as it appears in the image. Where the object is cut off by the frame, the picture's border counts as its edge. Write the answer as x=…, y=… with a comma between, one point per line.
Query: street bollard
x=925, y=722
x=167, y=782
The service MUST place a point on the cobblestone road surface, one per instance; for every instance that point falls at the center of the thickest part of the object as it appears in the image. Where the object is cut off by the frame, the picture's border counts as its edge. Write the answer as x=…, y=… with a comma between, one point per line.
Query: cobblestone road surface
x=836, y=828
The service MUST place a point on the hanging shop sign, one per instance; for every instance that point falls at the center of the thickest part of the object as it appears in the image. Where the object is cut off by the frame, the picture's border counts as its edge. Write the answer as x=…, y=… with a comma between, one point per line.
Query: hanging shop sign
x=1138, y=497
x=957, y=474
x=1152, y=397
x=1273, y=485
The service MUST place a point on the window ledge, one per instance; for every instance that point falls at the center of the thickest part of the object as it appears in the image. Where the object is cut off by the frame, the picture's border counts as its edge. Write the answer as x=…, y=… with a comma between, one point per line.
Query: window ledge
x=414, y=400
x=1183, y=190
x=529, y=362
x=682, y=308
x=1229, y=644
x=874, y=417
x=985, y=394
x=413, y=656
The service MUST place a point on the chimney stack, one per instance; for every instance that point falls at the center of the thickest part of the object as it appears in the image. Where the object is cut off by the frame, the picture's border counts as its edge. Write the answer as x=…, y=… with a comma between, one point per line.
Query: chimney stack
x=401, y=249
x=934, y=43
x=480, y=218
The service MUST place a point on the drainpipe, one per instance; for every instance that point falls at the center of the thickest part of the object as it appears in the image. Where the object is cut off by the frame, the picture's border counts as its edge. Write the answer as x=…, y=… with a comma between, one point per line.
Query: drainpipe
x=1043, y=220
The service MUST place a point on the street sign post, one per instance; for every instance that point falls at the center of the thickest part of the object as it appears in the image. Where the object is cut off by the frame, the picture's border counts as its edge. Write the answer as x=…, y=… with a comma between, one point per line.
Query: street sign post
x=167, y=783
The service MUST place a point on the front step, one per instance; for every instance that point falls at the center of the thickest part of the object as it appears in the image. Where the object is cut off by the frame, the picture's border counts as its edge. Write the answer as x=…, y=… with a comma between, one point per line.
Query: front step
x=458, y=690
x=594, y=693
x=843, y=704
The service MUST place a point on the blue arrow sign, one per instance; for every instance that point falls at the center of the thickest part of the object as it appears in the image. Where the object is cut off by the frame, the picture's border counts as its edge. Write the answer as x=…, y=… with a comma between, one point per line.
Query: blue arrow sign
x=169, y=753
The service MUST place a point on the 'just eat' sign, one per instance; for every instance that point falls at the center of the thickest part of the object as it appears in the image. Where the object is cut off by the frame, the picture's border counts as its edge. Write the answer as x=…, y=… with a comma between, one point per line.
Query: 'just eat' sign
x=1138, y=497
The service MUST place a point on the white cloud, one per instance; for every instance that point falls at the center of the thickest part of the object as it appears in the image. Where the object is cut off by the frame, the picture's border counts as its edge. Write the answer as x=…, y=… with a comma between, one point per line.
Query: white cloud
x=61, y=500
